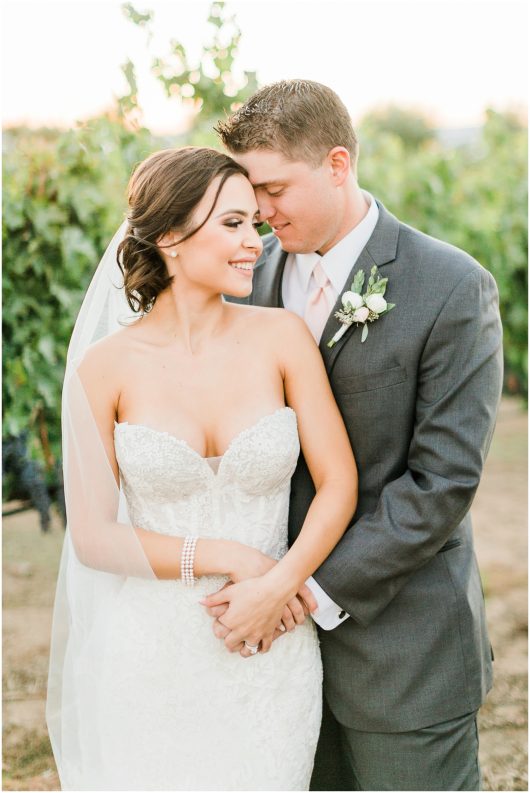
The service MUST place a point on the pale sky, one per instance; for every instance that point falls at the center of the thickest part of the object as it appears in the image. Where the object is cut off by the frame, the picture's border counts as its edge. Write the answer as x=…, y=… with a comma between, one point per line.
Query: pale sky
x=452, y=58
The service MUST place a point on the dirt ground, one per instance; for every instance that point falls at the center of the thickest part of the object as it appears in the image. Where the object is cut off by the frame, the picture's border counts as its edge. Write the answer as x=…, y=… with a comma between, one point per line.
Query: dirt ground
x=30, y=562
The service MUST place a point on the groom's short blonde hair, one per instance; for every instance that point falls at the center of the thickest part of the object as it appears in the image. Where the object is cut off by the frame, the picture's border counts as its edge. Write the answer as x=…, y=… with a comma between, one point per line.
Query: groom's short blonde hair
x=301, y=119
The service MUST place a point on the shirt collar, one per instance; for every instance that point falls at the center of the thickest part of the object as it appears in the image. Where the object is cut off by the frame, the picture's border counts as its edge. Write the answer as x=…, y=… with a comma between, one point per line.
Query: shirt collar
x=337, y=263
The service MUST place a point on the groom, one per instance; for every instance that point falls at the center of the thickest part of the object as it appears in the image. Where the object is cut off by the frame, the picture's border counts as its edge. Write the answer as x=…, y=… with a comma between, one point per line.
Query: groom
x=407, y=660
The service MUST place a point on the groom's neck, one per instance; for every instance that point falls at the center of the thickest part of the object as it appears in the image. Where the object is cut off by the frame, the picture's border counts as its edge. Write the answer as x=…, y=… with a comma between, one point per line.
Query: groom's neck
x=353, y=208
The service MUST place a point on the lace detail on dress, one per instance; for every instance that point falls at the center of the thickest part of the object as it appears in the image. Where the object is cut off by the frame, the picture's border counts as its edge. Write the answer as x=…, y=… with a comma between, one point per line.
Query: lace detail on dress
x=180, y=712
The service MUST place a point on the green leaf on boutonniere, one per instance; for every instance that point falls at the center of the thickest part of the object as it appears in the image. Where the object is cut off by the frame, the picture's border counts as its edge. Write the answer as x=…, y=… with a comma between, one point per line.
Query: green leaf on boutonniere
x=389, y=306
x=379, y=288
x=358, y=282
x=365, y=332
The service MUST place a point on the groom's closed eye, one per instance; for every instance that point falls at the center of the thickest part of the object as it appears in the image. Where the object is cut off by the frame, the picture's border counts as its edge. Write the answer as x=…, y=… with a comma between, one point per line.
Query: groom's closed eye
x=271, y=188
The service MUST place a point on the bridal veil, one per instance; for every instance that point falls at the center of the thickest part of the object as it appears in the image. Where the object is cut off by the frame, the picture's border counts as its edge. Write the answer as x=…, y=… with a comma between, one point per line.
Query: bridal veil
x=100, y=547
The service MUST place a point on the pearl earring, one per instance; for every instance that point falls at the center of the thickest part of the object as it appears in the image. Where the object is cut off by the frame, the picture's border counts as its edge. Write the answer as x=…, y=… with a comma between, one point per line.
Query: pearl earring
x=173, y=254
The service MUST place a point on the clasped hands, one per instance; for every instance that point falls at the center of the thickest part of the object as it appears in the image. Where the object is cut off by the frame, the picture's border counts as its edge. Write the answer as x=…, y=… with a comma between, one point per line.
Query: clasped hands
x=255, y=607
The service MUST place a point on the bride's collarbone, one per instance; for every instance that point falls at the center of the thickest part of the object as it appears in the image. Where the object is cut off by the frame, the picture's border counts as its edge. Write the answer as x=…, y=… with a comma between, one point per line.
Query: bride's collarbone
x=241, y=336
x=233, y=377
x=218, y=362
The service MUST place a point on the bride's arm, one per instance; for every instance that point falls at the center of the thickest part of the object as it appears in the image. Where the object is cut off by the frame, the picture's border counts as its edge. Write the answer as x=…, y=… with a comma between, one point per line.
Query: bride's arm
x=212, y=557
x=100, y=540
x=327, y=452
x=254, y=606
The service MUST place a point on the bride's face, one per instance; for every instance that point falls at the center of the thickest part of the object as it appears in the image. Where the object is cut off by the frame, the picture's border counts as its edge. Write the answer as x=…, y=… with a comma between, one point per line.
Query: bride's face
x=221, y=256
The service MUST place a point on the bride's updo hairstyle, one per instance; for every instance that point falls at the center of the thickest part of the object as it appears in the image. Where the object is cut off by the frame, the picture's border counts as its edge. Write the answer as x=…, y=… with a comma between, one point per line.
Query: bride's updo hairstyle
x=163, y=192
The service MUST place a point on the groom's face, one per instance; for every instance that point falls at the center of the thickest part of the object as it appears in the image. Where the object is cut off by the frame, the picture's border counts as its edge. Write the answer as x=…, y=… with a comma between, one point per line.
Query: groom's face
x=299, y=201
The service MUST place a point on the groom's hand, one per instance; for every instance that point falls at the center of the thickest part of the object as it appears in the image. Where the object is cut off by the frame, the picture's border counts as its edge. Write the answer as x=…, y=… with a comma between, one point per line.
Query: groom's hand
x=307, y=599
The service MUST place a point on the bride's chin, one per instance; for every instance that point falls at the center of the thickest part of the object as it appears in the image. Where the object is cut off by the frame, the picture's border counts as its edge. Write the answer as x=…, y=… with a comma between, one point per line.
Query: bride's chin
x=240, y=291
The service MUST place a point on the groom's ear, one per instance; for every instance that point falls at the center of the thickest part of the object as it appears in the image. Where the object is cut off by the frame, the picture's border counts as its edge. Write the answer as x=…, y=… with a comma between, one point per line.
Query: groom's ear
x=339, y=163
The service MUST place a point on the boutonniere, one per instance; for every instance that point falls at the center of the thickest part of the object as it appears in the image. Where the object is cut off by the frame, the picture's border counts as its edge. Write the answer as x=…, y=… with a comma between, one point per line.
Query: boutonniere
x=362, y=309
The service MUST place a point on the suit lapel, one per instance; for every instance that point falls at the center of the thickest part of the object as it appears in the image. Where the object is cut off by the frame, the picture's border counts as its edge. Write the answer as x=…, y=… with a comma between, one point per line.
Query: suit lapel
x=380, y=250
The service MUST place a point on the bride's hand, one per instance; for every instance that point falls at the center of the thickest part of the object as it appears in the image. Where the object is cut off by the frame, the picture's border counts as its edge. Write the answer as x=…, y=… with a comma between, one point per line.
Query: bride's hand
x=255, y=608
x=248, y=562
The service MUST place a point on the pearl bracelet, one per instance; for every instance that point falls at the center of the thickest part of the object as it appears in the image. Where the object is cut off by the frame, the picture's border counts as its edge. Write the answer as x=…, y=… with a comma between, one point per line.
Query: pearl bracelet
x=187, y=561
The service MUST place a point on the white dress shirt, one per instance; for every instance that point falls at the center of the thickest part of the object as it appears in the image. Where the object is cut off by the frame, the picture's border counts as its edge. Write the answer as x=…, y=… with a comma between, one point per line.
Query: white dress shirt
x=297, y=285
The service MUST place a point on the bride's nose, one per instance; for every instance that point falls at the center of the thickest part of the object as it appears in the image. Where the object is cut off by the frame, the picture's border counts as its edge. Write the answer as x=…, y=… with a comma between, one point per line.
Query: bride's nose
x=253, y=240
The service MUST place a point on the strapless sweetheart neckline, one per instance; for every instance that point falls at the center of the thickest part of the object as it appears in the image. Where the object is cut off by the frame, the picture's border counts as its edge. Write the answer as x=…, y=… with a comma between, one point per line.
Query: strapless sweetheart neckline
x=182, y=442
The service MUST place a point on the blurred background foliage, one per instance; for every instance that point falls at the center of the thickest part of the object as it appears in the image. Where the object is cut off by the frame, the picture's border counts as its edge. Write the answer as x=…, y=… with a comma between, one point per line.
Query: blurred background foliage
x=64, y=196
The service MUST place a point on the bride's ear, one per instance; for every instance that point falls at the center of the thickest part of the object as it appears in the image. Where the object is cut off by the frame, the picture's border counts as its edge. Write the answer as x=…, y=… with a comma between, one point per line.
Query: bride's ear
x=168, y=244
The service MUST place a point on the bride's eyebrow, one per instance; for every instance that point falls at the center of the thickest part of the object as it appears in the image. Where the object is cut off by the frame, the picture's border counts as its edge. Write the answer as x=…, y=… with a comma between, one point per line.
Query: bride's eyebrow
x=242, y=212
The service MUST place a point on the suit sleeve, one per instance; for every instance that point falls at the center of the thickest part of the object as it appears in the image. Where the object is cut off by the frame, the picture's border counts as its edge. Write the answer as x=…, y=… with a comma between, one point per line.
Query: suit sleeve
x=459, y=387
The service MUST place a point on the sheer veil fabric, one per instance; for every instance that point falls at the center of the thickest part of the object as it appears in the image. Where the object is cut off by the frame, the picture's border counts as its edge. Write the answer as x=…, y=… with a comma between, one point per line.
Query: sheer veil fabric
x=100, y=547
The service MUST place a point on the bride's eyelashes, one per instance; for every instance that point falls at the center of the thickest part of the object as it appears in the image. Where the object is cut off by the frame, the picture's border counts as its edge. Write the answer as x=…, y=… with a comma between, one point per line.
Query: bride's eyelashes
x=234, y=224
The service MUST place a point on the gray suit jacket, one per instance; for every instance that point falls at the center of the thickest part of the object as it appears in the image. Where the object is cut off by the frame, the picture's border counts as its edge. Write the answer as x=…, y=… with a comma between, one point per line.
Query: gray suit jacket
x=419, y=400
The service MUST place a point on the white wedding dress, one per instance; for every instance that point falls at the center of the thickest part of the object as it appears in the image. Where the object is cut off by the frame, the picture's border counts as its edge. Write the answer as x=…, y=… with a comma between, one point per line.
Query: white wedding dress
x=178, y=711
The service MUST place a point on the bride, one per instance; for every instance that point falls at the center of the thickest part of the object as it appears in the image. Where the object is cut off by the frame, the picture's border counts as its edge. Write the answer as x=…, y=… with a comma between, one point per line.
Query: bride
x=181, y=431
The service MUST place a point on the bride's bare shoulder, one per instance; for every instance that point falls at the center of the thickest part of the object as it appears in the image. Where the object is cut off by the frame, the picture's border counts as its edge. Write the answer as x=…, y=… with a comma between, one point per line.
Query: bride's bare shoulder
x=268, y=318
x=106, y=357
x=276, y=328
x=277, y=322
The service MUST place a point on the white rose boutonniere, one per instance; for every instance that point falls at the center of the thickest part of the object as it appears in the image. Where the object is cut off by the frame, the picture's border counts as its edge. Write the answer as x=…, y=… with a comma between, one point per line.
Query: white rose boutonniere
x=361, y=309
x=352, y=299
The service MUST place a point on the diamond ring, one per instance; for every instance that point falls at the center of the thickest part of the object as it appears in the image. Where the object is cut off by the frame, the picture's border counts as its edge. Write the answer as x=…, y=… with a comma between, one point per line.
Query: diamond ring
x=252, y=648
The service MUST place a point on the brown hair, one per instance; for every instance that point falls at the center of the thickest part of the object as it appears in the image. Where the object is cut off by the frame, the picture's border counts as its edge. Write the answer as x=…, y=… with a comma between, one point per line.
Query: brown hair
x=301, y=119
x=163, y=192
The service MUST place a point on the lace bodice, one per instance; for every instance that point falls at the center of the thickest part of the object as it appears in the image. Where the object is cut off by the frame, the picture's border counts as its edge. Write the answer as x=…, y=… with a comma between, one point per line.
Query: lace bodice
x=171, y=489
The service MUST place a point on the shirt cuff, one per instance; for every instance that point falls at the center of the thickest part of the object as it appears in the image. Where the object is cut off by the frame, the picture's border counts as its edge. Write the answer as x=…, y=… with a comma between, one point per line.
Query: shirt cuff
x=328, y=614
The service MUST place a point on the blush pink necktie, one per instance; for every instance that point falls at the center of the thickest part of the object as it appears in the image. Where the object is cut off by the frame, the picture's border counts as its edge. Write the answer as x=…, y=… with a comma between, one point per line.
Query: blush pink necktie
x=320, y=303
